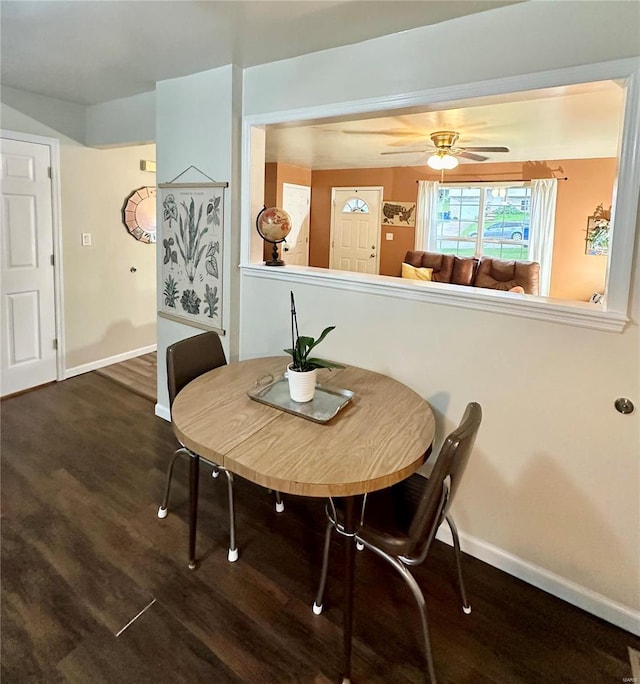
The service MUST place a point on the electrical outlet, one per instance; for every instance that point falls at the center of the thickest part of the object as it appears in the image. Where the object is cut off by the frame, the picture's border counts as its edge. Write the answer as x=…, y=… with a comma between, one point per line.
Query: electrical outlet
x=86, y=239
x=389, y=236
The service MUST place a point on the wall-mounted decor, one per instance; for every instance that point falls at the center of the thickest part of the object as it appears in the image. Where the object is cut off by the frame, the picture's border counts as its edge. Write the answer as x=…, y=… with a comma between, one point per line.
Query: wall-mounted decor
x=192, y=231
x=139, y=214
x=597, y=240
x=399, y=213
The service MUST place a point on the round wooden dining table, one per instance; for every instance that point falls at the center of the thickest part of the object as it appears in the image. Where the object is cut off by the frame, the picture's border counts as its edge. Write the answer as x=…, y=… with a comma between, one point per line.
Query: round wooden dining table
x=380, y=437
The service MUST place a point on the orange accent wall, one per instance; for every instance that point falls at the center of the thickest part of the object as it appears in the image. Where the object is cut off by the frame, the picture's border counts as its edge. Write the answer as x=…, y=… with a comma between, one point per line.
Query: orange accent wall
x=574, y=274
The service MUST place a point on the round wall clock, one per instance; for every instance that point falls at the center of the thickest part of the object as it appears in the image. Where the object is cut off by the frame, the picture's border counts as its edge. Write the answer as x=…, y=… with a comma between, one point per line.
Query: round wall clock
x=139, y=214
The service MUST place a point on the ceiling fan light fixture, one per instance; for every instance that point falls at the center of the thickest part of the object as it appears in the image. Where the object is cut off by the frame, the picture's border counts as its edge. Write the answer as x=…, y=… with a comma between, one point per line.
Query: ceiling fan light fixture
x=442, y=160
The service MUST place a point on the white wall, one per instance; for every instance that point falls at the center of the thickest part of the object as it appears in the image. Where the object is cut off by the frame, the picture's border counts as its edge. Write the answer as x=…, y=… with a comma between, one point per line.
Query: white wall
x=126, y=121
x=553, y=489
x=108, y=311
x=197, y=125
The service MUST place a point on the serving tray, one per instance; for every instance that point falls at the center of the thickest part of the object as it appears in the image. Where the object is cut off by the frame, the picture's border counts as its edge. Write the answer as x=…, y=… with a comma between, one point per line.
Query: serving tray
x=325, y=405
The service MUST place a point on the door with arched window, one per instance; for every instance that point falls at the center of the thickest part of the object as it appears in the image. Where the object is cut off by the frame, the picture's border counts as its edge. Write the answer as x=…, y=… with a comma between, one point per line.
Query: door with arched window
x=355, y=229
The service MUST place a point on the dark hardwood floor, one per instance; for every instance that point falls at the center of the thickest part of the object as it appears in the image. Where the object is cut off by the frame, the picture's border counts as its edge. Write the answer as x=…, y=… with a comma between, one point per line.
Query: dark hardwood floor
x=83, y=553
x=137, y=374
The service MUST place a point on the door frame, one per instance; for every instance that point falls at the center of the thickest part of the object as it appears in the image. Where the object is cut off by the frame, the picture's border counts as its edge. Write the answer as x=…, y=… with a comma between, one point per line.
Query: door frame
x=347, y=188
x=54, y=151
x=306, y=187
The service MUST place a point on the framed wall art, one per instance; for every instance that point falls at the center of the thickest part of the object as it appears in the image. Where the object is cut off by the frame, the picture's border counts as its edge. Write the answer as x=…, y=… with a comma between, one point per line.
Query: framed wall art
x=598, y=225
x=192, y=231
x=398, y=213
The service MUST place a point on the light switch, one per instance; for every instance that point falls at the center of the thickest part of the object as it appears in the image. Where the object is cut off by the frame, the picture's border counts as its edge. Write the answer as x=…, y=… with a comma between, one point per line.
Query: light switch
x=86, y=239
x=389, y=236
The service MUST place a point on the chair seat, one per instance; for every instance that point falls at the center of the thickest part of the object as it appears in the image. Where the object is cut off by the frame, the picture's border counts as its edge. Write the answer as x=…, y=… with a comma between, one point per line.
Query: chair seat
x=388, y=515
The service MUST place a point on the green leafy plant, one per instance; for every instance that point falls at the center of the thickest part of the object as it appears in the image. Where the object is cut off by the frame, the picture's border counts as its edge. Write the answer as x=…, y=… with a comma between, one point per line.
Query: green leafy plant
x=170, y=255
x=212, y=299
x=170, y=292
x=190, y=302
x=211, y=262
x=190, y=237
x=301, y=346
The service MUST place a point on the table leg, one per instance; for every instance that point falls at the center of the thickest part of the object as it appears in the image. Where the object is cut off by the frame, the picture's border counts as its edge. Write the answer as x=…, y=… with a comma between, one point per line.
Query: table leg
x=352, y=511
x=194, y=472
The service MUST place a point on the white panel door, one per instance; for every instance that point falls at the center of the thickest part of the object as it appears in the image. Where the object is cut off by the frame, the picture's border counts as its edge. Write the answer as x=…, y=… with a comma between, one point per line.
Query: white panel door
x=28, y=355
x=355, y=229
x=296, y=201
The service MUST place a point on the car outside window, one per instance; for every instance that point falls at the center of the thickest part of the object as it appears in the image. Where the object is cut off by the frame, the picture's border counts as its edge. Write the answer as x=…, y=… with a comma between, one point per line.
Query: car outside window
x=484, y=220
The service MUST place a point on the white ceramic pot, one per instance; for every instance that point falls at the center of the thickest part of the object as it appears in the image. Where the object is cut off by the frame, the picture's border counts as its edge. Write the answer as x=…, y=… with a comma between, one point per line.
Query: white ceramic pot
x=302, y=385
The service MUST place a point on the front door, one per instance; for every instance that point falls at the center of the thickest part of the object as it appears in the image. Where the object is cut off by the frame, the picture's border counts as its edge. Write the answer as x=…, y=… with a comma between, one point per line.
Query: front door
x=27, y=292
x=296, y=201
x=355, y=229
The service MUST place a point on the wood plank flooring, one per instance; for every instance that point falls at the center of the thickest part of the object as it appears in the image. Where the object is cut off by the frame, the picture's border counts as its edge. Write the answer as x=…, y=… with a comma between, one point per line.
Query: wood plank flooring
x=137, y=375
x=83, y=466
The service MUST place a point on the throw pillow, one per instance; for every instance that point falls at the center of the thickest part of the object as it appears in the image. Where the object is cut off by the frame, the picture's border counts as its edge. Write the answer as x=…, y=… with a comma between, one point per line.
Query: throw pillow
x=414, y=273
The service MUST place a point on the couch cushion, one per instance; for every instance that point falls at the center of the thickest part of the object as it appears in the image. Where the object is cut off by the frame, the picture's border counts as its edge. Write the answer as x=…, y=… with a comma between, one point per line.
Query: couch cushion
x=409, y=271
x=464, y=270
x=442, y=264
x=499, y=274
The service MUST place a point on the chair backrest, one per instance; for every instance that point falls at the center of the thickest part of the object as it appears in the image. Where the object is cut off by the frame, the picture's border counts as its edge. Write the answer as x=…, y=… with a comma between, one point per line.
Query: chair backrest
x=444, y=480
x=190, y=358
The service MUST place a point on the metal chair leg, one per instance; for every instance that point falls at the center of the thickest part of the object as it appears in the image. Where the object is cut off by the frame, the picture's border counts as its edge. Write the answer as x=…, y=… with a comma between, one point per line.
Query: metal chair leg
x=232, y=556
x=194, y=471
x=317, y=604
x=162, y=511
x=279, y=503
x=466, y=606
x=419, y=597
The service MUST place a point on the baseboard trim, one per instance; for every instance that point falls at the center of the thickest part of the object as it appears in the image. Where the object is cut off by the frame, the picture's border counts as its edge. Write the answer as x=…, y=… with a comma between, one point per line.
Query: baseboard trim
x=590, y=601
x=163, y=412
x=101, y=363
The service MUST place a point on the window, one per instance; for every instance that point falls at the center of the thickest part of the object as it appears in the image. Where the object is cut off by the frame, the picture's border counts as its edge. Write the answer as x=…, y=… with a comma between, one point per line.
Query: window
x=484, y=220
x=355, y=205
x=611, y=314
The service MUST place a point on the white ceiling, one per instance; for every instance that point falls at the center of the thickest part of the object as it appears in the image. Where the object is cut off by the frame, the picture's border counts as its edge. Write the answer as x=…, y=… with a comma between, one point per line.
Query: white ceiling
x=90, y=52
x=576, y=122
x=94, y=51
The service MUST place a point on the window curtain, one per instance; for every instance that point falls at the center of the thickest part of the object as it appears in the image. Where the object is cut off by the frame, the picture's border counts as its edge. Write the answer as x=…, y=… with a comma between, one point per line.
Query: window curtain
x=543, y=219
x=427, y=215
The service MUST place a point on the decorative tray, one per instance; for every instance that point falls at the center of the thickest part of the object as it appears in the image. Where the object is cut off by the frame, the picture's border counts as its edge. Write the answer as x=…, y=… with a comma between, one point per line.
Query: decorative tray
x=324, y=406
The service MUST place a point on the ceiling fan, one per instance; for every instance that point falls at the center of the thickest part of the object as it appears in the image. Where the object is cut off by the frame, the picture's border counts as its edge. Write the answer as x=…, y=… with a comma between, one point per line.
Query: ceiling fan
x=445, y=153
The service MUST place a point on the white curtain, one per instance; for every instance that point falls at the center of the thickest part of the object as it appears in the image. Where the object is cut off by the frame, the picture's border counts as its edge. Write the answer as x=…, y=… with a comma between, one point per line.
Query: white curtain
x=543, y=219
x=427, y=215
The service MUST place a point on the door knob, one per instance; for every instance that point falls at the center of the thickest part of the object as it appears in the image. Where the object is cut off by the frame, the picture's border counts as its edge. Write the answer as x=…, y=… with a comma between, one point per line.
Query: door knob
x=371, y=256
x=624, y=405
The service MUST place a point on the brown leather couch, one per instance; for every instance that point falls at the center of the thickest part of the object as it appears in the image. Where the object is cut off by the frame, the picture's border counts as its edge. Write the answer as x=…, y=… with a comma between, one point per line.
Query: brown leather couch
x=495, y=274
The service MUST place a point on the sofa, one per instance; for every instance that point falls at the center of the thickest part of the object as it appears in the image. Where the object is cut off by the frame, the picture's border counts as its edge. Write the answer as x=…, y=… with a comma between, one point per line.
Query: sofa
x=487, y=272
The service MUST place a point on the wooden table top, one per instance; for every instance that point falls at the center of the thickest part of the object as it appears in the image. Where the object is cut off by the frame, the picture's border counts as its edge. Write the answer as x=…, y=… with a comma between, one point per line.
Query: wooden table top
x=378, y=439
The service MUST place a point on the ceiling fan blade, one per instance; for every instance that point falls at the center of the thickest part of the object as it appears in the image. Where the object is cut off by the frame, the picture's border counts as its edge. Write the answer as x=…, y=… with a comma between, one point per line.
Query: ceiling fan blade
x=396, y=134
x=406, y=152
x=485, y=149
x=473, y=157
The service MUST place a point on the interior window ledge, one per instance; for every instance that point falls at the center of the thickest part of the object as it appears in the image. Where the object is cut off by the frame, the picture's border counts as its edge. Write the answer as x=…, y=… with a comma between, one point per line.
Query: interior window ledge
x=579, y=314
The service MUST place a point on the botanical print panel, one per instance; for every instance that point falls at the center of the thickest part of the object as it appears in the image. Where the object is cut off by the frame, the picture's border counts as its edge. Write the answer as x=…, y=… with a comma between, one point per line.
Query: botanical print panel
x=192, y=222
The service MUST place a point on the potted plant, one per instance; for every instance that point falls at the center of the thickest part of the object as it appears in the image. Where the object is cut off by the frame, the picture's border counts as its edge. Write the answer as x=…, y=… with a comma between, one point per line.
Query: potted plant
x=302, y=370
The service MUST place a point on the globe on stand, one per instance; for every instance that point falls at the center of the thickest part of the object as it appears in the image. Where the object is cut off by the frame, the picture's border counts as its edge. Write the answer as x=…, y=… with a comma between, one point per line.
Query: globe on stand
x=273, y=225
